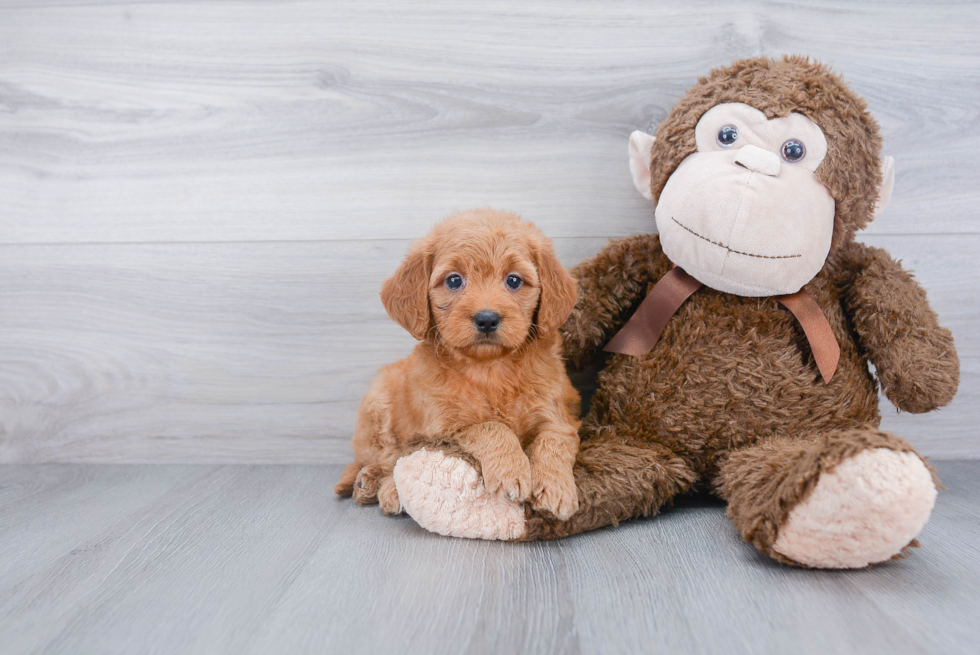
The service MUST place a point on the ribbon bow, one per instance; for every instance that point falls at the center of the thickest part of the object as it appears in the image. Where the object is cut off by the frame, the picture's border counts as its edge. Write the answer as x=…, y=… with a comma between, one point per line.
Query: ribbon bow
x=642, y=332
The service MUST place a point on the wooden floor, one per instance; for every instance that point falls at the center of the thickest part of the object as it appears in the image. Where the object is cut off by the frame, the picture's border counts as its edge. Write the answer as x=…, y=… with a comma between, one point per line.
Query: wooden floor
x=264, y=559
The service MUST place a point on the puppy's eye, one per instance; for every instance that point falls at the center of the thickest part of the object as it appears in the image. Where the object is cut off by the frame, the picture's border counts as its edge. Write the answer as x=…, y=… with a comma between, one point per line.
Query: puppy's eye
x=793, y=151
x=727, y=135
x=454, y=281
x=514, y=282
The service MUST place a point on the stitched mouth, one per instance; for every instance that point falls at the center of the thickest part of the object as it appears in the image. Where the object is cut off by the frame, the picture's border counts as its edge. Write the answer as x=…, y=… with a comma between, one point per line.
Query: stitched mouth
x=729, y=248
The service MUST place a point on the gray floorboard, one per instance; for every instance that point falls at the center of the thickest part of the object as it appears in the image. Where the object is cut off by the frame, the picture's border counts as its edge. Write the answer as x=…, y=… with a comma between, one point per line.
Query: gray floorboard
x=264, y=559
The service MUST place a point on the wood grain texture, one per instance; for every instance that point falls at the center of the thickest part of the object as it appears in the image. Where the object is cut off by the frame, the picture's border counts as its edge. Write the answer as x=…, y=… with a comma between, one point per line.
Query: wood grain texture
x=261, y=352
x=210, y=121
x=242, y=352
x=231, y=559
x=199, y=200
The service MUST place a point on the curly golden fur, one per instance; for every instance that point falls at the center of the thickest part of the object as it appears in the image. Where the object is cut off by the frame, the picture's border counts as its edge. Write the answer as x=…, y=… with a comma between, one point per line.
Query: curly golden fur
x=731, y=398
x=501, y=396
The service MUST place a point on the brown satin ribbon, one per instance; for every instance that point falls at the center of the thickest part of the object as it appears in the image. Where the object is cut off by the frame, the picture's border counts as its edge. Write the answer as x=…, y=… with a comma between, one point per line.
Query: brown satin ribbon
x=642, y=332
x=823, y=343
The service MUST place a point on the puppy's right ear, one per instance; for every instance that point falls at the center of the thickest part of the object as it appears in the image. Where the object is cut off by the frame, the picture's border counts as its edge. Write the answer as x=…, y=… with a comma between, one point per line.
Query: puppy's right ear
x=406, y=293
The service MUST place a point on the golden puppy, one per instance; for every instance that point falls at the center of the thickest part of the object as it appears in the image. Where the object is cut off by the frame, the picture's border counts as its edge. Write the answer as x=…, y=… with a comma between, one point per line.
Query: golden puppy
x=484, y=294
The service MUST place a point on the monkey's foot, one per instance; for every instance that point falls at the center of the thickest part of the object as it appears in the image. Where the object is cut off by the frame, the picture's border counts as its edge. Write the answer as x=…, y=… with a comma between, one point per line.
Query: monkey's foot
x=446, y=495
x=868, y=509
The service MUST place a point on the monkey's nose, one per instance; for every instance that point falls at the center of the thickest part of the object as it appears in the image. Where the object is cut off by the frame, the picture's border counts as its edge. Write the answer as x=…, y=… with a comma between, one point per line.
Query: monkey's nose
x=758, y=160
x=486, y=321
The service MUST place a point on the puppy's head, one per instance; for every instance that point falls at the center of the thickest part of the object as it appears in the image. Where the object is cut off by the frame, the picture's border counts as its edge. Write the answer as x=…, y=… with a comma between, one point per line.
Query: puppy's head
x=482, y=282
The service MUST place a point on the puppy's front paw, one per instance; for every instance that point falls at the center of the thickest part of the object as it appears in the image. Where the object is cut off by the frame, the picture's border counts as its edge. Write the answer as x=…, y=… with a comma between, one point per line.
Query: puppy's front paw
x=388, y=497
x=555, y=492
x=508, y=476
x=367, y=483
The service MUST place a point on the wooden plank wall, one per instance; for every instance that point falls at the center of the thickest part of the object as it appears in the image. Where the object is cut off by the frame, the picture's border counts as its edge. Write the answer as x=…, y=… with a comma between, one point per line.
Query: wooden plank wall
x=200, y=200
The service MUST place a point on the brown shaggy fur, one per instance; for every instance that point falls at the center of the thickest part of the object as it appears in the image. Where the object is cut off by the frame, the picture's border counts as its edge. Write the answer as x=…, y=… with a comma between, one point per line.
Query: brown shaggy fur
x=731, y=397
x=760, y=481
x=501, y=397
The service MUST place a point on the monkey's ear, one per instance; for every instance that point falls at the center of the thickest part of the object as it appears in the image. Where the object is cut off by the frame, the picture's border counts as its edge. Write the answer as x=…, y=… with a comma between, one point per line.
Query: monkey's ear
x=887, y=185
x=405, y=294
x=641, y=145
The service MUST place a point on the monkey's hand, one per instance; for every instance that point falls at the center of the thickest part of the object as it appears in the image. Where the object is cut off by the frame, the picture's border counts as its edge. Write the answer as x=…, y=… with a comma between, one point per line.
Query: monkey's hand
x=914, y=356
x=610, y=286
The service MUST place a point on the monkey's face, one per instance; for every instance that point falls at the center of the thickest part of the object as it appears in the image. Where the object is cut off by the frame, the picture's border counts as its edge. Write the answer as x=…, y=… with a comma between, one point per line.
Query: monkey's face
x=746, y=214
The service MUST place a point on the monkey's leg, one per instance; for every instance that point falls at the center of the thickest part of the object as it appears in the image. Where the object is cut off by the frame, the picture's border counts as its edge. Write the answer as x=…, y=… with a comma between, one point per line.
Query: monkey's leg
x=617, y=477
x=441, y=488
x=843, y=499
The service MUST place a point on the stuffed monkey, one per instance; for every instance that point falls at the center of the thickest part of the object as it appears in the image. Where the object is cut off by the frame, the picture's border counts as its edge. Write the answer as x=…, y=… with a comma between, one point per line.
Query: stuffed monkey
x=742, y=335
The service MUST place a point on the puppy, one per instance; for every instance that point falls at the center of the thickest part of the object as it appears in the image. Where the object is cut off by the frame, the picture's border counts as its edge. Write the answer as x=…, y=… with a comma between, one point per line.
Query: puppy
x=485, y=295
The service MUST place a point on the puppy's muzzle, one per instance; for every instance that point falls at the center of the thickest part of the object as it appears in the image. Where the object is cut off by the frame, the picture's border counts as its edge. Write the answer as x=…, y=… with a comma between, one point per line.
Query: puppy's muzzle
x=486, y=321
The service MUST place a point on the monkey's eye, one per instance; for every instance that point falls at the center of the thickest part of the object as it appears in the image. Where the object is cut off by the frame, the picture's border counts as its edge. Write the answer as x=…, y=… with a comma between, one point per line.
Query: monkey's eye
x=793, y=151
x=454, y=281
x=727, y=136
x=514, y=282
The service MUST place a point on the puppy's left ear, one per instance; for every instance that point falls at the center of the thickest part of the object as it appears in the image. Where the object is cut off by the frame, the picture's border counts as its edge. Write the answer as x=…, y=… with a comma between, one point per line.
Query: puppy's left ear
x=406, y=293
x=558, y=289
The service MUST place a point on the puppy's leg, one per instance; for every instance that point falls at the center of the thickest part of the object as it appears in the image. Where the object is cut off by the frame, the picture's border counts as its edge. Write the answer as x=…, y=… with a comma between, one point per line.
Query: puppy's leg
x=388, y=496
x=552, y=455
x=363, y=478
x=345, y=487
x=506, y=469
x=368, y=483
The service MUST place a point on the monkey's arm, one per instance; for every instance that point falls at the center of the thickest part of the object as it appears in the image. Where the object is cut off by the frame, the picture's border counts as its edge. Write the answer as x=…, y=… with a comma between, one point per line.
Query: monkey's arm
x=610, y=286
x=914, y=356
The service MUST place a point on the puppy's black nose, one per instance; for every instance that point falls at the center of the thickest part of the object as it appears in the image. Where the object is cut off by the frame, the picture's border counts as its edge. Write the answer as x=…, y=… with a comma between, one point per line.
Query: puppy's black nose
x=487, y=321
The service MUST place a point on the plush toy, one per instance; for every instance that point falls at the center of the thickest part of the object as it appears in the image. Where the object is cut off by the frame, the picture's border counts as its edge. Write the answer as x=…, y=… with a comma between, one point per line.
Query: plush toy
x=742, y=335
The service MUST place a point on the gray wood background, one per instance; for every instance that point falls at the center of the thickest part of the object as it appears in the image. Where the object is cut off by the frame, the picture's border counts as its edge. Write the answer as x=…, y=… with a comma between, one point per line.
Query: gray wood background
x=200, y=200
